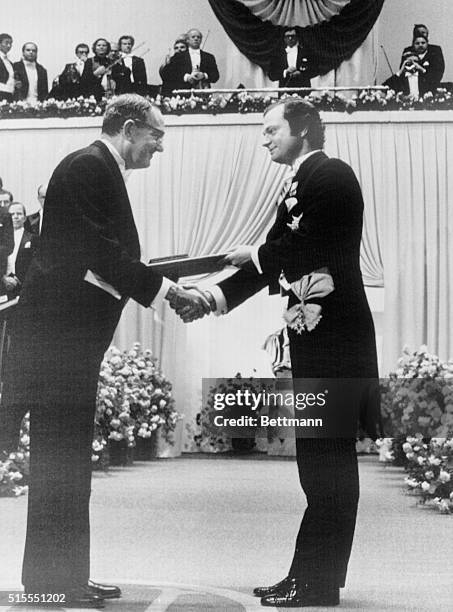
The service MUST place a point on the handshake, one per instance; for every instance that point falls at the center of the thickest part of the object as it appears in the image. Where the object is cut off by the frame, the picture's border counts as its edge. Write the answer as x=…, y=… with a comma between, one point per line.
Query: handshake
x=190, y=302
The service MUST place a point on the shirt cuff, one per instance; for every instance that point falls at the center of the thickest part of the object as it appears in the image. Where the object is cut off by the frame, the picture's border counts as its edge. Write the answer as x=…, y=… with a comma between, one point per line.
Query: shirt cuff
x=166, y=284
x=187, y=78
x=217, y=294
x=255, y=258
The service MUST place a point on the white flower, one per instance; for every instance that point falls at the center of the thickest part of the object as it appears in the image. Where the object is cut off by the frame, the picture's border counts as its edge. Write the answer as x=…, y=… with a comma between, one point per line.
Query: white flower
x=420, y=460
x=407, y=448
x=444, y=476
x=425, y=486
x=434, y=460
x=429, y=475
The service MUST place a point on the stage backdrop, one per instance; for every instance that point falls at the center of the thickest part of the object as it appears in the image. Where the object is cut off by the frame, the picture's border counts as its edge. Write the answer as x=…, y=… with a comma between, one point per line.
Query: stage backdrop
x=214, y=186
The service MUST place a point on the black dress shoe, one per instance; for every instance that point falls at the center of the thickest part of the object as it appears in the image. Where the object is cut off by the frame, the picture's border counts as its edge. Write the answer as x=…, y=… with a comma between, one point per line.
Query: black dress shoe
x=106, y=591
x=274, y=588
x=298, y=595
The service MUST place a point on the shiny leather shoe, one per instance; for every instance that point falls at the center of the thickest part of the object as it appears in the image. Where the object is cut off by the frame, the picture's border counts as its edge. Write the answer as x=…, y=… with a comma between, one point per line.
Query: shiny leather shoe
x=299, y=595
x=106, y=591
x=274, y=588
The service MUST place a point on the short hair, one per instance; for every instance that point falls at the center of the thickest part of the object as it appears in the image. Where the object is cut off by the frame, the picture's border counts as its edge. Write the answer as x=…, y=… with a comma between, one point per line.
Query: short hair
x=193, y=30
x=18, y=204
x=93, y=47
x=180, y=39
x=124, y=107
x=419, y=36
x=301, y=115
x=289, y=29
x=80, y=45
x=417, y=27
x=10, y=195
x=4, y=35
x=126, y=37
x=23, y=47
x=43, y=185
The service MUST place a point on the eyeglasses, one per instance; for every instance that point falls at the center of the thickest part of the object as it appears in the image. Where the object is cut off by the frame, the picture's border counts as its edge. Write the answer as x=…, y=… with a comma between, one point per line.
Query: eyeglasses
x=158, y=135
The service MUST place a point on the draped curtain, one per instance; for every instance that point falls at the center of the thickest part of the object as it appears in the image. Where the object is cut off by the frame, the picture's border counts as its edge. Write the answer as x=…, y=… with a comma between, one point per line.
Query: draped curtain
x=256, y=27
x=215, y=186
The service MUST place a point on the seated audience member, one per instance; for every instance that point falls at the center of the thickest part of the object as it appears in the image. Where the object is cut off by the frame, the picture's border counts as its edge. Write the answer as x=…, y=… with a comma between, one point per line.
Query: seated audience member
x=434, y=51
x=20, y=258
x=129, y=73
x=96, y=76
x=31, y=78
x=194, y=68
x=166, y=69
x=6, y=69
x=33, y=223
x=292, y=66
x=67, y=84
x=420, y=72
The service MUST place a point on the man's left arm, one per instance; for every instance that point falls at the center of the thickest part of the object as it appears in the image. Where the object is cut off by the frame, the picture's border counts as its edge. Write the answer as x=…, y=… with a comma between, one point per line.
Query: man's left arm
x=140, y=77
x=211, y=68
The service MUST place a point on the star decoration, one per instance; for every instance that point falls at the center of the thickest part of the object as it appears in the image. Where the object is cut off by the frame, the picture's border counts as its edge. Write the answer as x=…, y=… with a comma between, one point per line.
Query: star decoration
x=294, y=225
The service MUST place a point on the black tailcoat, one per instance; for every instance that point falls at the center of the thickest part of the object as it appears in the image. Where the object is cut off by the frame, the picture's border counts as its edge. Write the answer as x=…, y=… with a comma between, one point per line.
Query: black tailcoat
x=21, y=74
x=341, y=346
x=64, y=325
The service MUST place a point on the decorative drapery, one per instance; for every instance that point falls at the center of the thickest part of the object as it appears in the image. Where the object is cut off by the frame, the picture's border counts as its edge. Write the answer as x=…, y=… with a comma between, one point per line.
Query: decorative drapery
x=214, y=186
x=292, y=12
x=329, y=43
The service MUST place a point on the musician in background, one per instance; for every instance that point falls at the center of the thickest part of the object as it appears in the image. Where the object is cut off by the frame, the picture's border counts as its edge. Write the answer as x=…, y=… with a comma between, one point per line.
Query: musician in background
x=96, y=75
x=166, y=69
x=420, y=71
x=68, y=83
x=129, y=72
x=435, y=52
x=194, y=68
x=6, y=68
x=292, y=65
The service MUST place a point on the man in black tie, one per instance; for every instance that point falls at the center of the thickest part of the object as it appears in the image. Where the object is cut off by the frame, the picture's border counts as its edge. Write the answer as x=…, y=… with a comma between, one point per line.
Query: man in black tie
x=129, y=73
x=33, y=223
x=87, y=267
x=313, y=251
x=6, y=68
x=292, y=66
x=31, y=78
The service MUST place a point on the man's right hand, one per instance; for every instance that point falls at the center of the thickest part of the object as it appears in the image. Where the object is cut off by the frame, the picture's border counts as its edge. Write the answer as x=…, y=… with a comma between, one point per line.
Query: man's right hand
x=189, y=304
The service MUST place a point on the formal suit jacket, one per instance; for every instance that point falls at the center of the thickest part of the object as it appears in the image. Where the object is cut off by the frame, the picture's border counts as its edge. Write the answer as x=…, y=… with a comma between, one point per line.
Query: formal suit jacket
x=21, y=74
x=91, y=84
x=24, y=256
x=67, y=84
x=6, y=239
x=64, y=320
x=280, y=63
x=121, y=74
x=4, y=76
x=326, y=233
x=32, y=223
x=180, y=64
x=435, y=68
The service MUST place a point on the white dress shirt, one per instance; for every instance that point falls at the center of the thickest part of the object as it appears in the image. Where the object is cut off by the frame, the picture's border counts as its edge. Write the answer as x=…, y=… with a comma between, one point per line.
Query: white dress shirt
x=32, y=75
x=127, y=59
x=291, y=58
x=11, y=267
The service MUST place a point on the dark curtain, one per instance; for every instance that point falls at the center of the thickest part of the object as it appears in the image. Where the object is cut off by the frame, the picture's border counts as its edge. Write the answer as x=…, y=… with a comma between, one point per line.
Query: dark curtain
x=328, y=43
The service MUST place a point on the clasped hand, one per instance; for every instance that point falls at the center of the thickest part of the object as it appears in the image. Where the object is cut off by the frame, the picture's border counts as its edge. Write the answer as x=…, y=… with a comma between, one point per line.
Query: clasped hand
x=188, y=302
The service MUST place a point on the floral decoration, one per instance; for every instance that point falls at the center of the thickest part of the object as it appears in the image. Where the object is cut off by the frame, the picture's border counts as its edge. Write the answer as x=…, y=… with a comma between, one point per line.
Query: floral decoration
x=242, y=102
x=15, y=469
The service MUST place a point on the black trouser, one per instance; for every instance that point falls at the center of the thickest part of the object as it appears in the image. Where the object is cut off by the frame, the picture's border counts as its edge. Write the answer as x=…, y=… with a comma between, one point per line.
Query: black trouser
x=329, y=476
x=57, y=548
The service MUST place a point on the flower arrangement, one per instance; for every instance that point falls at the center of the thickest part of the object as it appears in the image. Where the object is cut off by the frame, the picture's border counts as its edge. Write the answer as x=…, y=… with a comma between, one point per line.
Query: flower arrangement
x=430, y=471
x=209, y=438
x=133, y=399
x=417, y=399
x=242, y=102
x=15, y=469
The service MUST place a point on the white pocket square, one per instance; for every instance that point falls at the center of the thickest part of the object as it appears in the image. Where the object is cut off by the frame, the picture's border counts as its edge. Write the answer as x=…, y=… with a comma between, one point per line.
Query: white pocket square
x=27, y=245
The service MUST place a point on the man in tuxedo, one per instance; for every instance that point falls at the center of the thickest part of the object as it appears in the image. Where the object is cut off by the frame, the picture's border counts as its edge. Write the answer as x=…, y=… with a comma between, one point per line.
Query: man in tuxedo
x=435, y=54
x=67, y=84
x=87, y=267
x=34, y=222
x=31, y=78
x=6, y=68
x=312, y=251
x=194, y=68
x=166, y=70
x=291, y=66
x=6, y=239
x=129, y=73
x=20, y=258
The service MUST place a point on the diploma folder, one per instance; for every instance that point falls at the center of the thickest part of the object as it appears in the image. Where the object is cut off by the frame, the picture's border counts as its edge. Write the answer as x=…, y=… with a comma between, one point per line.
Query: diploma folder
x=180, y=266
